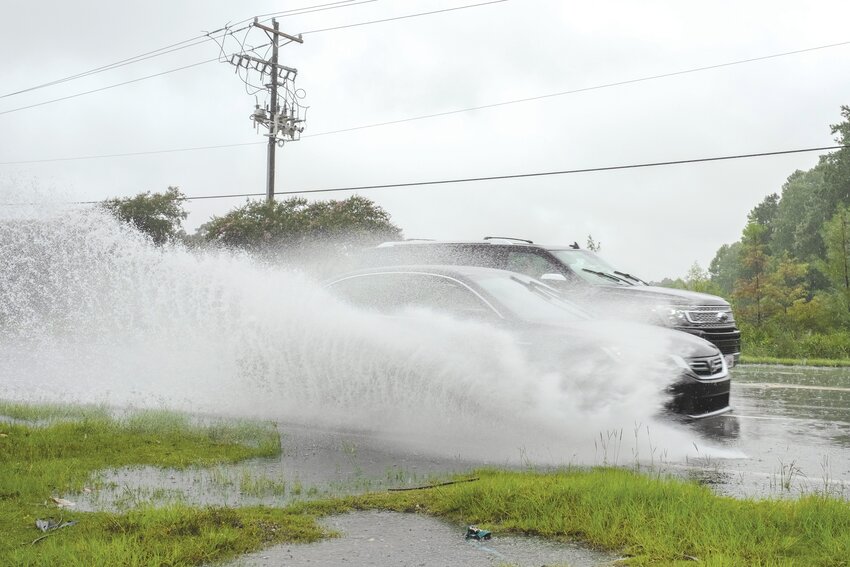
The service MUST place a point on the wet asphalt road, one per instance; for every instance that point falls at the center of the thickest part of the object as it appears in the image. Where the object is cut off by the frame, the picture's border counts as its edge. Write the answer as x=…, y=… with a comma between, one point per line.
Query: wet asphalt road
x=793, y=425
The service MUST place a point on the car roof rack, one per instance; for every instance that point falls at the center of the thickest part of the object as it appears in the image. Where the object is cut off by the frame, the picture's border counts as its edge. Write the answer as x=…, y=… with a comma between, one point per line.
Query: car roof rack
x=508, y=238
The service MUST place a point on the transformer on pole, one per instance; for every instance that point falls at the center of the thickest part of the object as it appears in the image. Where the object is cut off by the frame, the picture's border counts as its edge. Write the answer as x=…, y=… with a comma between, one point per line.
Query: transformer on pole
x=282, y=116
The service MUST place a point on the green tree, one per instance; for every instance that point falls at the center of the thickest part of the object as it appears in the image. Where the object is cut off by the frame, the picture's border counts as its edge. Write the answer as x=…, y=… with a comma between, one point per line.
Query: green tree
x=593, y=245
x=837, y=165
x=725, y=268
x=765, y=213
x=801, y=213
x=292, y=224
x=836, y=235
x=698, y=279
x=752, y=286
x=159, y=215
x=786, y=283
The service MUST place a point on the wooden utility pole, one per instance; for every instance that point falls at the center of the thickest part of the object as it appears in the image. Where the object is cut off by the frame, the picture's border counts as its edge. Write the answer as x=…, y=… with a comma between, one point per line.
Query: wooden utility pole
x=272, y=124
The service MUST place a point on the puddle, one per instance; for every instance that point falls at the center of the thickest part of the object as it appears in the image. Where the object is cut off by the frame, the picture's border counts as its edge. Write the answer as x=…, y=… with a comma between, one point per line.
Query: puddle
x=314, y=463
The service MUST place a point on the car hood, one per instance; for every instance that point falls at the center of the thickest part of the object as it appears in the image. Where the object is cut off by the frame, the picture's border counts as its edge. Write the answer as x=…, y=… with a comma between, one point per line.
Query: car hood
x=623, y=335
x=657, y=295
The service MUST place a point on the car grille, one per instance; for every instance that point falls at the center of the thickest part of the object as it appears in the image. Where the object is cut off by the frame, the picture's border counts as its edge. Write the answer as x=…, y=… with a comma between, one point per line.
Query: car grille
x=706, y=367
x=711, y=316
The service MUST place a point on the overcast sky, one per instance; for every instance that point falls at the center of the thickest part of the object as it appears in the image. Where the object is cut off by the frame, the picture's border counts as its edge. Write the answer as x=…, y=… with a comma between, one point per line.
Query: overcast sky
x=654, y=222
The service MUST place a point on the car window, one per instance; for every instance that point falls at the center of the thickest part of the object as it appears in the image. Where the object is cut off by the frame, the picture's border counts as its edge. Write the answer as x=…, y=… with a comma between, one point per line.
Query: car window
x=390, y=293
x=530, y=264
x=531, y=300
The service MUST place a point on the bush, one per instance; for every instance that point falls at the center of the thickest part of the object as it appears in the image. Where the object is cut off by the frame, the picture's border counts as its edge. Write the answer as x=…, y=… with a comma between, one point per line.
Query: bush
x=776, y=341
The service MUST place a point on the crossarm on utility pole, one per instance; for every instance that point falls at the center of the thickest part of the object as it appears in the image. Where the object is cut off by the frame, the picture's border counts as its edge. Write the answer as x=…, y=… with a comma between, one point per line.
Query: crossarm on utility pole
x=276, y=31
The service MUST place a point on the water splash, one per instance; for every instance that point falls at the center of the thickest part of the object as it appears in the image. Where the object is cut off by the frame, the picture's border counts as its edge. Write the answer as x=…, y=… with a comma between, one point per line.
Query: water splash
x=91, y=311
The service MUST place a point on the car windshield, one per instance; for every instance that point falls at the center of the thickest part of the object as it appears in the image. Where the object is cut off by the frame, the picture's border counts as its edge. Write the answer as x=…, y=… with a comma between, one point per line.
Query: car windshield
x=530, y=300
x=592, y=268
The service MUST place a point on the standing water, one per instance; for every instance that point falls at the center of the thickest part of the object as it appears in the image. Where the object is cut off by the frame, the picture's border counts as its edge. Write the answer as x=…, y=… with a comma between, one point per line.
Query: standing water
x=92, y=312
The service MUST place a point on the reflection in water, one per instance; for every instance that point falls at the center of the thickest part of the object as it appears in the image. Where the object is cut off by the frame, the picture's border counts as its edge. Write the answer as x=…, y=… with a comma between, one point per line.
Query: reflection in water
x=723, y=428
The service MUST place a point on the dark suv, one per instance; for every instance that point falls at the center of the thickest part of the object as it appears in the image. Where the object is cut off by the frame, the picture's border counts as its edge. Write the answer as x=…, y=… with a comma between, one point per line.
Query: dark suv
x=585, y=277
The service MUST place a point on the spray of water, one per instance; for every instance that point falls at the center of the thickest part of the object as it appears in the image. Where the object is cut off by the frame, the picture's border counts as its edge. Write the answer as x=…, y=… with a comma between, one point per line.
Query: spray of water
x=91, y=311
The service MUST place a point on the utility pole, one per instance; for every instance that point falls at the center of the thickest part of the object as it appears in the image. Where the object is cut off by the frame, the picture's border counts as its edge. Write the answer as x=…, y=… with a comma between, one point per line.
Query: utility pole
x=273, y=109
x=284, y=121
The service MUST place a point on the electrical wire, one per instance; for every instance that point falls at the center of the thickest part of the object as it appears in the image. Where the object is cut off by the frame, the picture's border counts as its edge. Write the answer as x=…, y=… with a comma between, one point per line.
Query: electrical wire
x=307, y=10
x=577, y=91
x=537, y=173
x=404, y=17
x=432, y=182
x=192, y=41
x=462, y=110
x=150, y=54
x=109, y=86
x=485, y=106
x=248, y=85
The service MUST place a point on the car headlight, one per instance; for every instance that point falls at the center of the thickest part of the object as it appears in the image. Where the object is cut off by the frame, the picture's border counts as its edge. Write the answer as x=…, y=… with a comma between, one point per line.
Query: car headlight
x=672, y=315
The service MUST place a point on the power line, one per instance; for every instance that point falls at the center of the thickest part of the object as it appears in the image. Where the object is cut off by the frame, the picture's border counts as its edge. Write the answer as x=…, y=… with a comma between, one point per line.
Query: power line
x=316, y=9
x=404, y=17
x=307, y=10
x=540, y=173
x=600, y=169
x=108, y=67
x=109, y=86
x=579, y=90
x=425, y=116
x=141, y=57
x=192, y=41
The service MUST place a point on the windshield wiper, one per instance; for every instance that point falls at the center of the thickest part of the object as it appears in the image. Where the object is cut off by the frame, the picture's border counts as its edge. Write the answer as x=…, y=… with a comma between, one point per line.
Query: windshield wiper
x=607, y=276
x=540, y=289
x=631, y=277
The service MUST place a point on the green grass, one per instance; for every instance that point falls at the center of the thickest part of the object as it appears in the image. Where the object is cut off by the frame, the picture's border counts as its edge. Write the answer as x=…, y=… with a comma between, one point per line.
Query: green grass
x=651, y=520
x=51, y=412
x=825, y=362
x=56, y=454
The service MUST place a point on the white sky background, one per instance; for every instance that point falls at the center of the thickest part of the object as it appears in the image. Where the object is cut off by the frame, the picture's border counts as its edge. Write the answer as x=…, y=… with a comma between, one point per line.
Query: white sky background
x=653, y=222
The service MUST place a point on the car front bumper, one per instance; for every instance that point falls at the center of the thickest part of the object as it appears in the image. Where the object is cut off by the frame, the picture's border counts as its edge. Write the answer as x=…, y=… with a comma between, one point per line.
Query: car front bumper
x=697, y=399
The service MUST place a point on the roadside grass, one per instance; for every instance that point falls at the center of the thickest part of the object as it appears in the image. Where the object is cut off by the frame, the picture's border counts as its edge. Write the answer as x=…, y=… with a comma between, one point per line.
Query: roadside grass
x=650, y=519
x=59, y=449
x=823, y=362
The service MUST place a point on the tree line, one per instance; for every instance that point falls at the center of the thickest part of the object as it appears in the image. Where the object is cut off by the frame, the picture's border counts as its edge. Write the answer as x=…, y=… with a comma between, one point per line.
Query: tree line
x=317, y=234
x=788, y=276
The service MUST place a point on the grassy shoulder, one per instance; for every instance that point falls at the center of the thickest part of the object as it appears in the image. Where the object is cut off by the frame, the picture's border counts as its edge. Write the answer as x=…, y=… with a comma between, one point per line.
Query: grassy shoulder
x=650, y=519
x=822, y=362
x=52, y=451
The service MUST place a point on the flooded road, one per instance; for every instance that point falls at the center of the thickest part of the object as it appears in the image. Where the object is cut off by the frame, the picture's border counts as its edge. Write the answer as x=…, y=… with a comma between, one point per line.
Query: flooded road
x=793, y=425
x=789, y=435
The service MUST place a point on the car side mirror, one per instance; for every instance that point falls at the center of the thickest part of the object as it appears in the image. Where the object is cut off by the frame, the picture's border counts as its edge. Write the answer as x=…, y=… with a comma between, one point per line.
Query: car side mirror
x=553, y=278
